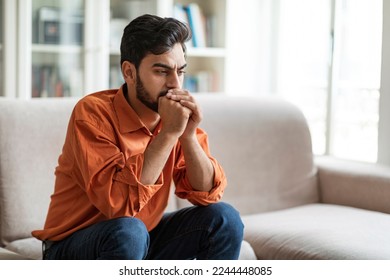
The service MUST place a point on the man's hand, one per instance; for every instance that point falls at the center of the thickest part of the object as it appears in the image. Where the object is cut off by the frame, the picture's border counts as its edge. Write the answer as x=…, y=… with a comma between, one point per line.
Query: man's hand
x=200, y=171
x=180, y=116
x=174, y=116
x=187, y=101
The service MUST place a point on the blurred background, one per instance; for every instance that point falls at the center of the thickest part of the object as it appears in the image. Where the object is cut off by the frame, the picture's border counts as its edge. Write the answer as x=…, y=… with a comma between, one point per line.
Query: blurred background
x=325, y=56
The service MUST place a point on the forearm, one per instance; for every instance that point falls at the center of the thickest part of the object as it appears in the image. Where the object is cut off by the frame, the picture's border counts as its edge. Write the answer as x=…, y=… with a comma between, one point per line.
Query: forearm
x=200, y=171
x=156, y=156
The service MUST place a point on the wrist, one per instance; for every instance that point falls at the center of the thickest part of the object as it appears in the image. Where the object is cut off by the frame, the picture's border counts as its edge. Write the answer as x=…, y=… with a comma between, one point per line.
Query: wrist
x=188, y=138
x=168, y=136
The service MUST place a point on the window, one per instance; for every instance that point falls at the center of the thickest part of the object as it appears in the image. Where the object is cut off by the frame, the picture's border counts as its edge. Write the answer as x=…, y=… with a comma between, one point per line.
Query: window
x=328, y=58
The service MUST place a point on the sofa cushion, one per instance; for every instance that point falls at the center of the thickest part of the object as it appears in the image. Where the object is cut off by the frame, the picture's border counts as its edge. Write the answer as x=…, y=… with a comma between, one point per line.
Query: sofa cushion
x=31, y=248
x=247, y=252
x=264, y=145
x=8, y=255
x=28, y=247
x=319, y=231
x=31, y=137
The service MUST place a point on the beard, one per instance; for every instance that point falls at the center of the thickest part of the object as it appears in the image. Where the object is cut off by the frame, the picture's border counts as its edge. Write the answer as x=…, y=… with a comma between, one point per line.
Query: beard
x=145, y=97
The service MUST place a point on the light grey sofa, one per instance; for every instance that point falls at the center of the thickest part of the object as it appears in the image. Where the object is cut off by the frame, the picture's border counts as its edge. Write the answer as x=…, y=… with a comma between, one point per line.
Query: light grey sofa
x=293, y=207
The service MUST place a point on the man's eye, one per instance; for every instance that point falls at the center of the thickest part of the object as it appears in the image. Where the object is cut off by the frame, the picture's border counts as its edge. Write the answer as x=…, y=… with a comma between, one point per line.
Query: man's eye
x=162, y=72
x=181, y=72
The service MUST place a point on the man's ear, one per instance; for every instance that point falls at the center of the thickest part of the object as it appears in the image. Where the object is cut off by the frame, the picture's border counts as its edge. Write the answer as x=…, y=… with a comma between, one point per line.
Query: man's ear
x=129, y=72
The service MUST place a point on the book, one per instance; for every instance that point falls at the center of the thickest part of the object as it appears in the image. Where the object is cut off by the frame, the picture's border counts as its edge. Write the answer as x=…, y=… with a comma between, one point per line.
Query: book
x=180, y=13
x=46, y=81
x=197, y=23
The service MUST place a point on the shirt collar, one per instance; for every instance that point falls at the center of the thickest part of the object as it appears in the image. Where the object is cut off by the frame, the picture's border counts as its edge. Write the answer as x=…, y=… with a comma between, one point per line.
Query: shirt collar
x=128, y=119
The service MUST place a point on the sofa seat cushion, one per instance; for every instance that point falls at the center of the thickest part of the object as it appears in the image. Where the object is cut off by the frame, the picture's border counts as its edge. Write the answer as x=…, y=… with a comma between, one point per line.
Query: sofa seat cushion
x=247, y=252
x=319, y=231
x=30, y=248
x=8, y=255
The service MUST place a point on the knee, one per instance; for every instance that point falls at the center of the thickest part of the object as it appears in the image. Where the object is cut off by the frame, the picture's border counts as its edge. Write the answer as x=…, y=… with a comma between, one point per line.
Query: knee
x=229, y=218
x=128, y=228
x=129, y=238
x=125, y=223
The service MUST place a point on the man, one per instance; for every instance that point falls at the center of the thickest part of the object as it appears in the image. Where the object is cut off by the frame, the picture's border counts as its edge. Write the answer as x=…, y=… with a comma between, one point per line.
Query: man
x=123, y=149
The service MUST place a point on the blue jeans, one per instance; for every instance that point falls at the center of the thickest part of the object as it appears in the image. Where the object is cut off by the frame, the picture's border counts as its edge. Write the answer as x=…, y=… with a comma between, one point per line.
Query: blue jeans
x=211, y=232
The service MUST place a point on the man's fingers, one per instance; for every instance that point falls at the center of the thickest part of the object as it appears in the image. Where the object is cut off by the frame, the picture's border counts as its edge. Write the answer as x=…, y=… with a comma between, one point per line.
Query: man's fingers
x=183, y=97
x=178, y=94
x=189, y=104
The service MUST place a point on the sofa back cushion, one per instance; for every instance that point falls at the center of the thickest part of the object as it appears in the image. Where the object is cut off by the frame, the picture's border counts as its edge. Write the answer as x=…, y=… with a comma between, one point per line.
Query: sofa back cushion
x=32, y=133
x=264, y=145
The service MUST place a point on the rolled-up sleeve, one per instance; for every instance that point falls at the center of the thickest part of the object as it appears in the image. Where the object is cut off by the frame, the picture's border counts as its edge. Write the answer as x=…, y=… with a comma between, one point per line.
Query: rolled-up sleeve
x=184, y=189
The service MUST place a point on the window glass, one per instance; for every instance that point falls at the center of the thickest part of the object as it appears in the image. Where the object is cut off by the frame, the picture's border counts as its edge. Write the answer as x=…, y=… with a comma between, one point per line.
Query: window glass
x=356, y=99
x=340, y=100
x=303, y=61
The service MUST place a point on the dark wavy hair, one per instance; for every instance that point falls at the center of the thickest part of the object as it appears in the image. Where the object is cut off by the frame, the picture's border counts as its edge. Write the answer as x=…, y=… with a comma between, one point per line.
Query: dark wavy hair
x=152, y=34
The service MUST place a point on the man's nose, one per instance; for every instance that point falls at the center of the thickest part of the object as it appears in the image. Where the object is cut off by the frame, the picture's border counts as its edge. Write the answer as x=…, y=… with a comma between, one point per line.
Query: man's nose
x=174, y=81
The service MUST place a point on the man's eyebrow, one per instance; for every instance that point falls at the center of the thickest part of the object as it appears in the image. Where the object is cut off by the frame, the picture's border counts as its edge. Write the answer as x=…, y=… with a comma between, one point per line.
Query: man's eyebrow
x=168, y=67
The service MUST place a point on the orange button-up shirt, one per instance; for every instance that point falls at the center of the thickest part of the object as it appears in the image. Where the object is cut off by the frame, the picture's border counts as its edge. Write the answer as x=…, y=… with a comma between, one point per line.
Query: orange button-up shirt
x=98, y=172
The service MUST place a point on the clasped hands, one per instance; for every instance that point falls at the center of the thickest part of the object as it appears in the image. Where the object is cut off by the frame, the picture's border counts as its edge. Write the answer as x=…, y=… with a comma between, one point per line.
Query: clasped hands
x=180, y=114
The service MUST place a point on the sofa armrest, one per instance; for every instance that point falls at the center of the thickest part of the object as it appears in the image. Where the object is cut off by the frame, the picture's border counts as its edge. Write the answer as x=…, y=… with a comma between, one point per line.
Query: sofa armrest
x=355, y=184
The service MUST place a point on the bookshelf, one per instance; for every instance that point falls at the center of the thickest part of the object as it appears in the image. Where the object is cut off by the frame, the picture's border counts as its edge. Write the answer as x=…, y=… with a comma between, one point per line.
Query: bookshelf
x=206, y=71
x=207, y=61
x=121, y=13
x=8, y=51
x=57, y=51
x=71, y=47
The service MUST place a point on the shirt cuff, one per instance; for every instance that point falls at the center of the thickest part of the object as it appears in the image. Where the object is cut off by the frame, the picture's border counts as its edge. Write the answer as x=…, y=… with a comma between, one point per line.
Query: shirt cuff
x=131, y=174
x=184, y=189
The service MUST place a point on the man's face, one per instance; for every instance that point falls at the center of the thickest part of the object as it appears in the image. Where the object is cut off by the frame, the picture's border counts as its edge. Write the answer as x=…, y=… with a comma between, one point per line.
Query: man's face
x=159, y=73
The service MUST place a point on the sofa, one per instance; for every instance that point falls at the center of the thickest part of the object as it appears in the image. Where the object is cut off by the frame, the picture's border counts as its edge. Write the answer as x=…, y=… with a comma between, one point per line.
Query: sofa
x=293, y=205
